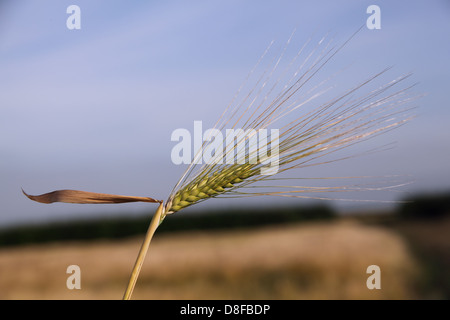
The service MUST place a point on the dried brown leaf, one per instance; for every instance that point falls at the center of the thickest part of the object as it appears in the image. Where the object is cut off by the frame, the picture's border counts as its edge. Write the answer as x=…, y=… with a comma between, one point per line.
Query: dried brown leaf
x=76, y=196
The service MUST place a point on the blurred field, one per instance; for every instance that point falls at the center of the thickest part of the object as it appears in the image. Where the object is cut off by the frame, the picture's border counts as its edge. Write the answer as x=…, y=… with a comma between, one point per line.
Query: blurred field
x=312, y=260
x=429, y=240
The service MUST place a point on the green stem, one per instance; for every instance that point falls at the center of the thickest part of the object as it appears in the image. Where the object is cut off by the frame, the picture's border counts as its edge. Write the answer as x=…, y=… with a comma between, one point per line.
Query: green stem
x=156, y=220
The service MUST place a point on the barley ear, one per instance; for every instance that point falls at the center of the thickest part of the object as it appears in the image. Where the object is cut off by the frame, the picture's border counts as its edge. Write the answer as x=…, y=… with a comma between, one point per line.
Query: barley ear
x=156, y=221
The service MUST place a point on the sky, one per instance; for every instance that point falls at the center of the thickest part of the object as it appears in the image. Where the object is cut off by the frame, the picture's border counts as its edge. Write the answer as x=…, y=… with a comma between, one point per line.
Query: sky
x=93, y=108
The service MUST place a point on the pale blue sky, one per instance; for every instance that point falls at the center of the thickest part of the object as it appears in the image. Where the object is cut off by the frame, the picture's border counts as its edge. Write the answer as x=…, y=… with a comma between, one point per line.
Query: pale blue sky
x=93, y=109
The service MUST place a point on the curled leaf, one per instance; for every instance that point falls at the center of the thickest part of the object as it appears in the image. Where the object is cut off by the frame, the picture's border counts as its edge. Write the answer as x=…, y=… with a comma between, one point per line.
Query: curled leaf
x=76, y=196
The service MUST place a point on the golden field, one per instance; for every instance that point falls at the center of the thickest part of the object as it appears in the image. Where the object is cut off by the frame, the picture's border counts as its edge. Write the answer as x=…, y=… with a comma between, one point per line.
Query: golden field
x=314, y=260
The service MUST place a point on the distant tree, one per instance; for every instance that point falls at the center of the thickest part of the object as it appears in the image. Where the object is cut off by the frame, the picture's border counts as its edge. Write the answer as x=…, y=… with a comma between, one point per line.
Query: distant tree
x=426, y=206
